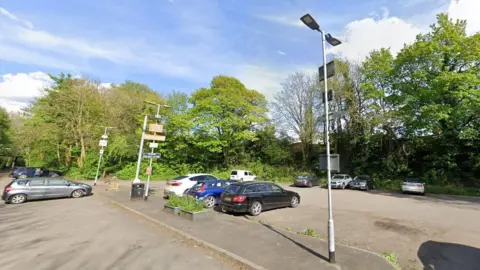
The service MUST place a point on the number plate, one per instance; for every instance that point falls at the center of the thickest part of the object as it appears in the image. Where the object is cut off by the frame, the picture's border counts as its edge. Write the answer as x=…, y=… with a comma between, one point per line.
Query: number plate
x=227, y=199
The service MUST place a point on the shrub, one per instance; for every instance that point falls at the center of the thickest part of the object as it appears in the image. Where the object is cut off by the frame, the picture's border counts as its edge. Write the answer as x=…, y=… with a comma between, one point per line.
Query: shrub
x=187, y=204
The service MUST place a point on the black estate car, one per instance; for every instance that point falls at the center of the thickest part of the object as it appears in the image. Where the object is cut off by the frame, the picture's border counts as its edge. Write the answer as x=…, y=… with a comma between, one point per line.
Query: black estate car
x=254, y=197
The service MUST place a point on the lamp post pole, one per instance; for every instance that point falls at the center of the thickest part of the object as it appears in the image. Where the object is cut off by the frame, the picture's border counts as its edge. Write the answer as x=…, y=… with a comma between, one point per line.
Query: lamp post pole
x=331, y=229
x=309, y=21
x=140, y=151
x=104, y=137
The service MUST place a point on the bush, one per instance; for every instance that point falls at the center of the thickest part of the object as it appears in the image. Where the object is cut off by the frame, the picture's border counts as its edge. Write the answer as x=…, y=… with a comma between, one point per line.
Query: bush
x=159, y=171
x=185, y=203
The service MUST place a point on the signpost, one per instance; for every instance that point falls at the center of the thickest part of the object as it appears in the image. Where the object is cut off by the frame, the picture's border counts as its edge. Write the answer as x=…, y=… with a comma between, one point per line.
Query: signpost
x=330, y=71
x=102, y=143
x=152, y=155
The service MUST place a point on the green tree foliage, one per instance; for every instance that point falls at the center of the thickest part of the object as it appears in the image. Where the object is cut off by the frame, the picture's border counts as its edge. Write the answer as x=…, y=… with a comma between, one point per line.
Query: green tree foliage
x=5, y=124
x=225, y=116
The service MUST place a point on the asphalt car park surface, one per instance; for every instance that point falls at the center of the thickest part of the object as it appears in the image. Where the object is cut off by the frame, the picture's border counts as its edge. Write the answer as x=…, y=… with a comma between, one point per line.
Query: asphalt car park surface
x=418, y=229
x=89, y=233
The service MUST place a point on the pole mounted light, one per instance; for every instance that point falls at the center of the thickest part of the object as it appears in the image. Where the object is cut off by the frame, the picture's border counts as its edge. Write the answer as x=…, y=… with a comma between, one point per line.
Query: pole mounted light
x=309, y=21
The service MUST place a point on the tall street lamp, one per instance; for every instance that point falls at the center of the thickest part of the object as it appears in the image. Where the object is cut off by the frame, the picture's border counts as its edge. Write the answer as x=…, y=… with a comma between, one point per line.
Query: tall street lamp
x=309, y=21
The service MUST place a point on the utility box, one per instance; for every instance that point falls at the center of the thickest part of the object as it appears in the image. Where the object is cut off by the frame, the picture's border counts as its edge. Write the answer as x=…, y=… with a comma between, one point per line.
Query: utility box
x=334, y=162
x=138, y=189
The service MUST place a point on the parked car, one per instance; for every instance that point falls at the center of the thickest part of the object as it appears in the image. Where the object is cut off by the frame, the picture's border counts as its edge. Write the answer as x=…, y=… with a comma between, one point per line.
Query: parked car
x=363, y=182
x=241, y=175
x=179, y=185
x=208, y=191
x=306, y=180
x=254, y=197
x=341, y=181
x=413, y=185
x=22, y=190
x=26, y=172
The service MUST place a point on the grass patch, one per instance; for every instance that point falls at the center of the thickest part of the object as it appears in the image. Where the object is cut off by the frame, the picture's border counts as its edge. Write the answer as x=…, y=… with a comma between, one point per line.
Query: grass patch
x=391, y=257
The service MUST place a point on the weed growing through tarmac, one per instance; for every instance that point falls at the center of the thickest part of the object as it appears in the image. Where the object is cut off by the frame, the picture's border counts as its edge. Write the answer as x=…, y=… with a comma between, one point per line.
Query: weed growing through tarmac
x=288, y=229
x=391, y=257
x=310, y=232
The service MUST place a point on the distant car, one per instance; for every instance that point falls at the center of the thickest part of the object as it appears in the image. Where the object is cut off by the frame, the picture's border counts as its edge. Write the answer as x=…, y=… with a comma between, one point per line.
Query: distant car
x=306, y=180
x=413, y=185
x=26, y=172
x=363, y=182
x=208, y=191
x=341, y=181
x=179, y=185
x=22, y=190
x=254, y=197
x=241, y=175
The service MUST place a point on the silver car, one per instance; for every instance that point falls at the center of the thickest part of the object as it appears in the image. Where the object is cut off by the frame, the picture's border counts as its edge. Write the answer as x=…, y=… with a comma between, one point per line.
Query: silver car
x=21, y=190
x=340, y=181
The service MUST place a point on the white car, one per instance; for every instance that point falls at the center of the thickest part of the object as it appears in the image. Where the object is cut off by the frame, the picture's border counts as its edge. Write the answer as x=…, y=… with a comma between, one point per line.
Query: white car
x=178, y=185
x=413, y=185
x=241, y=175
x=340, y=180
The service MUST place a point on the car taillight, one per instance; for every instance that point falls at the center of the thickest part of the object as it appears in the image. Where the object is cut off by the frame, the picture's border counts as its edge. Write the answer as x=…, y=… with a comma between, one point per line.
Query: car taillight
x=239, y=199
x=202, y=188
x=176, y=184
x=8, y=189
x=419, y=185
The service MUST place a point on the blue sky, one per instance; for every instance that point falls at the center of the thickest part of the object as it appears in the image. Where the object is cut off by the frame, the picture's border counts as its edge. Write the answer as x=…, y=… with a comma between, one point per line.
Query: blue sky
x=182, y=44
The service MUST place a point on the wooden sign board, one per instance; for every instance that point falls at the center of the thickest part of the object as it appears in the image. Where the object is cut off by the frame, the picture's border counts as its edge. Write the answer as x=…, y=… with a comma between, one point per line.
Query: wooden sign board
x=155, y=128
x=150, y=137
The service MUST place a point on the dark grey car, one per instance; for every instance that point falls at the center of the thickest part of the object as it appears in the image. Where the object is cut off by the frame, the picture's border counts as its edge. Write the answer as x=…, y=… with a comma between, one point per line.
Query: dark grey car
x=306, y=180
x=363, y=182
x=21, y=190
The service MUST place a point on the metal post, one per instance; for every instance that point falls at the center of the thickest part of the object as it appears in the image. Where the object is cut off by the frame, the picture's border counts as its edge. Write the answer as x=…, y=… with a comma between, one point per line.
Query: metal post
x=140, y=151
x=99, y=161
x=331, y=236
x=145, y=197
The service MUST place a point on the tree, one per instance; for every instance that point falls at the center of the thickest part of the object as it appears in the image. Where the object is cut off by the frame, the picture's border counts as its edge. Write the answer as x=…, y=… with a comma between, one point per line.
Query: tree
x=295, y=108
x=5, y=124
x=225, y=115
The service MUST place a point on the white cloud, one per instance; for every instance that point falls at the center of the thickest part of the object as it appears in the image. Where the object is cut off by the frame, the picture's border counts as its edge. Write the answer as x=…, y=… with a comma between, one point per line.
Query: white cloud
x=7, y=14
x=16, y=90
x=281, y=52
x=363, y=36
x=284, y=20
x=466, y=10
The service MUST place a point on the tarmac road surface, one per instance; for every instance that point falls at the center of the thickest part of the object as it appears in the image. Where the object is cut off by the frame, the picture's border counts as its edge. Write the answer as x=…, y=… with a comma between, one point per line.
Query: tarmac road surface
x=89, y=233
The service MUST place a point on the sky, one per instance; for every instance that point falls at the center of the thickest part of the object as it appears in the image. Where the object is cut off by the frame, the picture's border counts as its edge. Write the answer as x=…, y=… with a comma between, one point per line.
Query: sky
x=181, y=44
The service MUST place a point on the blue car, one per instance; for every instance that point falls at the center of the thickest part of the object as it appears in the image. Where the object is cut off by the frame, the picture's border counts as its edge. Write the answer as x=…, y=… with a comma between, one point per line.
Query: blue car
x=208, y=191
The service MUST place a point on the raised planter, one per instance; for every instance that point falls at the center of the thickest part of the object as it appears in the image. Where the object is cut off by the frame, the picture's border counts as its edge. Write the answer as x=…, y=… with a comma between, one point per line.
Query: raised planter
x=193, y=215
x=172, y=210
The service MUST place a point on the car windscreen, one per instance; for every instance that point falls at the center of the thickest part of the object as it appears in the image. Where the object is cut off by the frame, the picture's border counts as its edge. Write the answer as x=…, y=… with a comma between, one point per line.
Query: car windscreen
x=303, y=177
x=20, y=169
x=232, y=189
x=234, y=173
x=412, y=180
x=181, y=177
x=337, y=177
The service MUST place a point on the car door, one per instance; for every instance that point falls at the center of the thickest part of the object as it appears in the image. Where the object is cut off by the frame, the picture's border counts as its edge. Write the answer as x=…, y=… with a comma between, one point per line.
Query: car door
x=37, y=188
x=30, y=171
x=274, y=195
x=57, y=188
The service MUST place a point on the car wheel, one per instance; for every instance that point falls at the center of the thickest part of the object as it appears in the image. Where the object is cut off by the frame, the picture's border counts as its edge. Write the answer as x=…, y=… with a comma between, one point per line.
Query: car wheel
x=17, y=199
x=294, y=202
x=310, y=184
x=241, y=179
x=78, y=193
x=366, y=188
x=23, y=176
x=343, y=186
x=256, y=208
x=209, y=202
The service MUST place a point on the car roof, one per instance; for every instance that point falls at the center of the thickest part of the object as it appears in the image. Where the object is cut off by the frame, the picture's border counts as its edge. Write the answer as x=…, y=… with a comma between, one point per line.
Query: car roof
x=196, y=174
x=248, y=183
x=340, y=174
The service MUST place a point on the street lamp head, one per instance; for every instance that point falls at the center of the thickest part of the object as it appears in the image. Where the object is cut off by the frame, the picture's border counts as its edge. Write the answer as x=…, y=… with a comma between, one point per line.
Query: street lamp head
x=332, y=41
x=309, y=21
